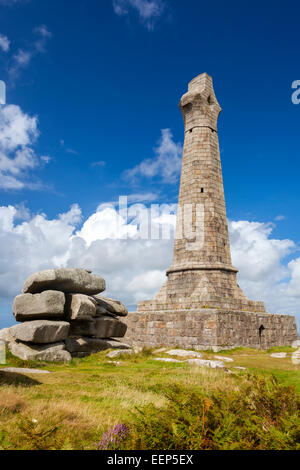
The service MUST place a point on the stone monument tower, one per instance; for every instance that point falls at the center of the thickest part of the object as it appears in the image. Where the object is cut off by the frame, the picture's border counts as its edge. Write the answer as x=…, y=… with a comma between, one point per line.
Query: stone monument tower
x=201, y=304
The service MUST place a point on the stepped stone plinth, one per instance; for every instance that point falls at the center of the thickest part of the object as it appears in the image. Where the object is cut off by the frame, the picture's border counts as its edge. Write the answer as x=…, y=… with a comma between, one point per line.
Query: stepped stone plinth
x=201, y=304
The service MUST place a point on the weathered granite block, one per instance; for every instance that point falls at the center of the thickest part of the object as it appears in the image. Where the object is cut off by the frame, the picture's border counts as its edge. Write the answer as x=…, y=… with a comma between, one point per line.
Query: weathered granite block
x=47, y=305
x=80, y=307
x=109, y=327
x=106, y=305
x=92, y=345
x=55, y=352
x=82, y=328
x=41, y=331
x=79, y=281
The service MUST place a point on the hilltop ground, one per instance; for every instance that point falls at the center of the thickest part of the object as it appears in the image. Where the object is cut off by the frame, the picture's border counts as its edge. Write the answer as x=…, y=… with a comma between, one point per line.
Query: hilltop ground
x=182, y=405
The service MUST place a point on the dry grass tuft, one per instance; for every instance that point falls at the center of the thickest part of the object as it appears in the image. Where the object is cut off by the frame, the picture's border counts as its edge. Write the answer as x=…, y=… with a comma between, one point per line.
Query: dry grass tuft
x=10, y=403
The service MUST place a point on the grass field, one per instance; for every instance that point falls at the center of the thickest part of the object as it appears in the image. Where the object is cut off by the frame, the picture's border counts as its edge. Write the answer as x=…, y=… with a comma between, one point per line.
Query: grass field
x=73, y=406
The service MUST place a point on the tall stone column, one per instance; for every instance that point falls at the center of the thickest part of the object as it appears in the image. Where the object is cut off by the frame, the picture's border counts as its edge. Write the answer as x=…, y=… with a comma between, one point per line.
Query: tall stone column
x=201, y=274
x=201, y=305
x=202, y=235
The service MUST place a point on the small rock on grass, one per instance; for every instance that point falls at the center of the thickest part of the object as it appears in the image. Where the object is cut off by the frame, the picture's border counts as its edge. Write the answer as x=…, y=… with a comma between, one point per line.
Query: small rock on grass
x=119, y=352
x=158, y=351
x=280, y=355
x=183, y=353
x=17, y=370
x=166, y=359
x=206, y=363
x=296, y=357
x=224, y=359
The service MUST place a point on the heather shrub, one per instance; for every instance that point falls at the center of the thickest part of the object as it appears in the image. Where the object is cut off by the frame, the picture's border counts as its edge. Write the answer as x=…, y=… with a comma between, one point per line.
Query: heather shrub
x=259, y=414
x=114, y=438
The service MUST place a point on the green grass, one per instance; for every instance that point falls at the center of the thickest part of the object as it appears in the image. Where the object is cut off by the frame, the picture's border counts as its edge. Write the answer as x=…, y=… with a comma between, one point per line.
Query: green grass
x=281, y=349
x=73, y=406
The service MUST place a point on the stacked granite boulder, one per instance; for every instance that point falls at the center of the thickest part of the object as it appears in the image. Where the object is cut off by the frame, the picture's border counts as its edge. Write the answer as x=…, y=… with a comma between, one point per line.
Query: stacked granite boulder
x=62, y=316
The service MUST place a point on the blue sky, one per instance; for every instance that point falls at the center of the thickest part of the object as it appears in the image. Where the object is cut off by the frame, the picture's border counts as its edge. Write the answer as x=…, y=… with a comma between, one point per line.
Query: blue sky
x=95, y=83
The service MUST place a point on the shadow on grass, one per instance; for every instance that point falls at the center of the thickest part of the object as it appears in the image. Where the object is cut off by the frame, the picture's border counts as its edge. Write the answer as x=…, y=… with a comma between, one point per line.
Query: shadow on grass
x=13, y=378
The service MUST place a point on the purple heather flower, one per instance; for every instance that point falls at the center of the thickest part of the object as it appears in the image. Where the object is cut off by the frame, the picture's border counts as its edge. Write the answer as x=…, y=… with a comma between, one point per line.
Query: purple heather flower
x=112, y=439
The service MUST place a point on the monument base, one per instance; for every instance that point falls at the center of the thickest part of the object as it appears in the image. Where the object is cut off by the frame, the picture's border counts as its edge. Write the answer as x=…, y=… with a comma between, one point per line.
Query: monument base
x=214, y=329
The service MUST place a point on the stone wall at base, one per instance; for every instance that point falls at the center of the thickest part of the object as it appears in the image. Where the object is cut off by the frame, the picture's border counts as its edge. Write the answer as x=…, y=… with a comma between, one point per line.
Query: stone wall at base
x=210, y=329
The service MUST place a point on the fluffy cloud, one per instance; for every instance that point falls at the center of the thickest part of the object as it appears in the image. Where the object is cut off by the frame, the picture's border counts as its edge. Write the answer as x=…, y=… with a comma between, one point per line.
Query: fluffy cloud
x=22, y=58
x=148, y=10
x=4, y=43
x=11, y=2
x=293, y=288
x=103, y=224
x=263, y=272
x=16, y=128
x=39, y=243
x=134, y=268
x=165, y=165
x=18, y=132
x=43, y=31
x=258, y=256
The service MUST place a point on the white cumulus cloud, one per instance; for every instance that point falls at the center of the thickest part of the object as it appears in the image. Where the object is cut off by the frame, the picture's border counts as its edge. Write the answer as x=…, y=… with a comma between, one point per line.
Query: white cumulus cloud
x=293, y=288
x=18, y=133
x=264, y=273
x=39, y=243
x=148, y=10
x=134, y=268
x=165, y=165
x=258, y=255
x=4, y=43
x=16, y=128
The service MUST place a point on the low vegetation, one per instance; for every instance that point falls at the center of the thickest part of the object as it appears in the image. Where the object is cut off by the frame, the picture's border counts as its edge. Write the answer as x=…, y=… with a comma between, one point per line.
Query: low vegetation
x=138, y=403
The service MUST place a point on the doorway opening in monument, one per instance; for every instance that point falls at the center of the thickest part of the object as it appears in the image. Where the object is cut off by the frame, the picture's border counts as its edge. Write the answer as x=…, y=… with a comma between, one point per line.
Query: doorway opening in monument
x=260, y=330
x=202, y=190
